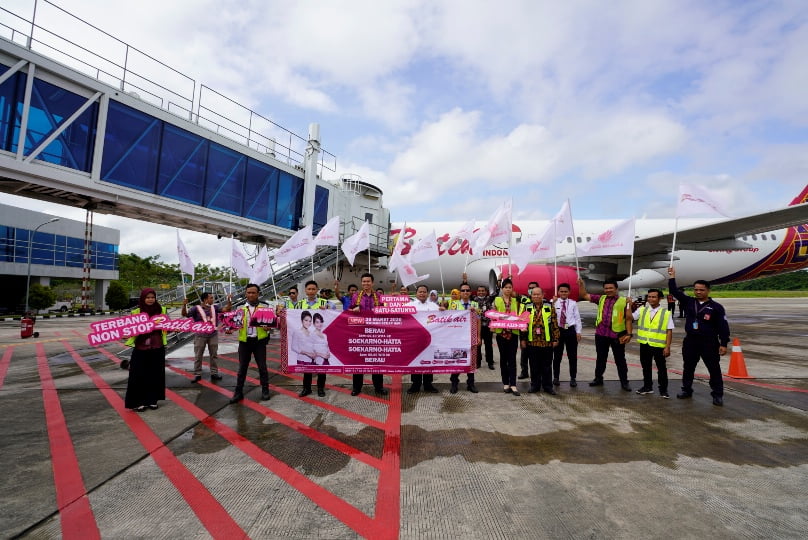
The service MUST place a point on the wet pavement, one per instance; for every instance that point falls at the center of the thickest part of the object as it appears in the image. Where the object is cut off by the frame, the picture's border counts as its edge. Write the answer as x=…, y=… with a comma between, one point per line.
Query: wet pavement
x=589, y=463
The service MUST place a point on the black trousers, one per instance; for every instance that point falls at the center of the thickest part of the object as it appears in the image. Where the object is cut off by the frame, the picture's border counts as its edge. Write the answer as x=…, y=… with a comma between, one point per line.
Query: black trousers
x=252, y=347
x=524, y=364
x=706, y=348
x=568, y=340
x=507, y=358
x=541, y=361
x=307, y=377
x=455, y=378
x=419, y=378
x=359, y=381
x=602, y=346
x=486, y=338
x=649, y=355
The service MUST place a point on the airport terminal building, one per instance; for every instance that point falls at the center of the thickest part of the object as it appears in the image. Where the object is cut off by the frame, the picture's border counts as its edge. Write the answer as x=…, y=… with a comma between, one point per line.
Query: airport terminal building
x=57, y=251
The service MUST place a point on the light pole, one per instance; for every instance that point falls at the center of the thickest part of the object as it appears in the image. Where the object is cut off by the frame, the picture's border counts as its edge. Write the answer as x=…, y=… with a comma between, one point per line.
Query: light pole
x=31, y=245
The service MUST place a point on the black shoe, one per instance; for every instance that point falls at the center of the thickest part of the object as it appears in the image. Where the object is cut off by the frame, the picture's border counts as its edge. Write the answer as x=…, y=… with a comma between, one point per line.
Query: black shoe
x=596, y=382
x=321, y=392
x=236, y=397
x=625, y=387
x=413, y=389
x=431, y=389
x=515, y=392
x=684, y=395
x=382, y=391
x=125, y=364
x=355, y=392
x=471, y=388
x=532, y=390
x=453, y=390
x=215, y=377
x=556, y=383
x=550, y=391
x=155, y=406
x=718, y=400
x=264, y=395
x=523, y=375
x=645, y=390
x=305, y=392
x=573, y=383
x=491, y=365
x=141, y=408
x=197, y=378
x=507, y=389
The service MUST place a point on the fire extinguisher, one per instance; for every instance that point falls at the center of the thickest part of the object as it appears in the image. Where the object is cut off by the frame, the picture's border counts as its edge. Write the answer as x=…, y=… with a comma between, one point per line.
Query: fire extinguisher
x=27, y=328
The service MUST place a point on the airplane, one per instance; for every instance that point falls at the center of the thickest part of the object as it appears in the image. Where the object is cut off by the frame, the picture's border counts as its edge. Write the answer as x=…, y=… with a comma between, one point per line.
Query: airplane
x=717, y=250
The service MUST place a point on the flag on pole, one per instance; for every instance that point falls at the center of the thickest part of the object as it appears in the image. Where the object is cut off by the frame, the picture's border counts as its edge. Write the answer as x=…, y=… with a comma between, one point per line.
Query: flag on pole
x=261, y=270
x=498, y=228
x=329, y=234
x=186, y=265
x=618, y=240
x=406, y=271
x=397, y=248
x=426, y=249
x=533, y=248
x=465, y=233
x=238, y=261
x=695, y=200
x=356, y=243
x=297, y=247
x=563, y=223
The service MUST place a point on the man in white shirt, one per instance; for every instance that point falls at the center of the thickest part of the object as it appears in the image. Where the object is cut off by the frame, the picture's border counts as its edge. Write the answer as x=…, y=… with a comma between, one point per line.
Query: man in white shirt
x=654, y=333
x=569, y=321
x=421, y=302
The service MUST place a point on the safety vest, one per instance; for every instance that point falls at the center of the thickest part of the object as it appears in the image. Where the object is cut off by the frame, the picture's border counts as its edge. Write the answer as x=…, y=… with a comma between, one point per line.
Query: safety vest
x=546, y=316
x=131, y=341
x=651, y=333
x=499, y=305
x=618, y=313
x=319, y=303
x=260, y=332
x=458, y=305
x=288, y=304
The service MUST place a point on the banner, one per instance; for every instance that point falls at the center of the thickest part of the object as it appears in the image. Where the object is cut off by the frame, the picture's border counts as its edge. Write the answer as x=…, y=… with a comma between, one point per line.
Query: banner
x=619, y=240
x=297, y=247
x=261, y=271
x=355, y=243
x=186, y=265
x=118, y=328
x=534, y=248
x=695, y=200
x=328, y=341
x=329, y=234
x=238, y=261
x=563, y=223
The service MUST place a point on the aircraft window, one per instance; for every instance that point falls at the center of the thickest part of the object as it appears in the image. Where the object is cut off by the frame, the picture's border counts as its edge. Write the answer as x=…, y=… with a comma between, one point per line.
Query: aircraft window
x=588, y=238
x=773, y=237
x=744, y=238
x=754, y=237
x=569, y=239
x=579, y=240
x=763, y=236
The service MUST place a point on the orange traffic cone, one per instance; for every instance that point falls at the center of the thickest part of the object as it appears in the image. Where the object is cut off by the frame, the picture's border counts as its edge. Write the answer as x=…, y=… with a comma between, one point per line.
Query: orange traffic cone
x=737, y=366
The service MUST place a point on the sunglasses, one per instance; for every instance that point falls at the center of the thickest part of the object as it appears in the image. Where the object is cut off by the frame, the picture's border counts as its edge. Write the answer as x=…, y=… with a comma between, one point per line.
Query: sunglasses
x=465, y=290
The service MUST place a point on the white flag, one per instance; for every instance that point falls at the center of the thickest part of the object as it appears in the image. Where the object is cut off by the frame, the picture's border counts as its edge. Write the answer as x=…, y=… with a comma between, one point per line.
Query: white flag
x=498, y=228
x=563, y=223
x=397, y=249
x=426, y=249
x=329, y=234
x=695, y=200
x=298, y=246
x=186, y=265
x=619, y=240
x=465, y=233
x=356, y=243
x=533, y=248
x=238, y=261
x=406, y=271
x=261, y=270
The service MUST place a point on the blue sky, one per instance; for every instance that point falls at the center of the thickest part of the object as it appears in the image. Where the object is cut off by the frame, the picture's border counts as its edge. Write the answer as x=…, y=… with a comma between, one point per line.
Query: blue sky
x=450, y=107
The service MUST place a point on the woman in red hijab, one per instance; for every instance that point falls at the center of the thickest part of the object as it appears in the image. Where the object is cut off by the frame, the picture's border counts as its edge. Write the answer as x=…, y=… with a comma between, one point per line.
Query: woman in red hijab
x=147, y=368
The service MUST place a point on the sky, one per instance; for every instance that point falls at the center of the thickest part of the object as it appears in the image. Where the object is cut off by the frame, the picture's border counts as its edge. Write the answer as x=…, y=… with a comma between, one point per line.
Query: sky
x=451, y=107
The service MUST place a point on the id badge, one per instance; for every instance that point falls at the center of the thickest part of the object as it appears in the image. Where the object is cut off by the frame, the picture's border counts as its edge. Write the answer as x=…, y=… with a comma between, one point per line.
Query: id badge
x=695, y=325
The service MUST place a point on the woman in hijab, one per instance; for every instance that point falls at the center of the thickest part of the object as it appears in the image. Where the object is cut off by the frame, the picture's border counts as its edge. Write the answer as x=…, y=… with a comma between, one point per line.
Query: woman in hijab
x=147, y=368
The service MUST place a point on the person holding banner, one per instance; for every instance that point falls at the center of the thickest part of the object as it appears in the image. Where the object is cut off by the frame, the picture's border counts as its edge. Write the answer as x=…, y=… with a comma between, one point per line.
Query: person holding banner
x=465, y=303
x=366, y=300
x=311, y=301
x=507, y=340
x=612, y=330
x=147, y=367
x=526, y=300
x=421, y=302
x=569, y=323
x=291, y=302
x=205, y=312
x=707, y=336
x=252, y=341
x=539, y=340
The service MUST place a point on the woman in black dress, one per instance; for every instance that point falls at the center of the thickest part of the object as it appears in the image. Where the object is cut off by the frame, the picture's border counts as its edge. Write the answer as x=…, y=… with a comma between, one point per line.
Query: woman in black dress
x=147, y=368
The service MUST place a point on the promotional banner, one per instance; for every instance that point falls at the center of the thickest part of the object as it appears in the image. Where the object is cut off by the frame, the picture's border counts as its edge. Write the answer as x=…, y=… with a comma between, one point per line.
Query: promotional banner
x=328, y=341
x=118, y=328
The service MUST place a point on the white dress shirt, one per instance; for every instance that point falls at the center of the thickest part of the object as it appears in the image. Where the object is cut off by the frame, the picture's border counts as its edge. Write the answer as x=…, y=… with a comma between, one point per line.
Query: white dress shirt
x=573, y=315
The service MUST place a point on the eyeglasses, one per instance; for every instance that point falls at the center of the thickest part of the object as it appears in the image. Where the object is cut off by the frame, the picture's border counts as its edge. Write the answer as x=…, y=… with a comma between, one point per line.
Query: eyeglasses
x=465, y=290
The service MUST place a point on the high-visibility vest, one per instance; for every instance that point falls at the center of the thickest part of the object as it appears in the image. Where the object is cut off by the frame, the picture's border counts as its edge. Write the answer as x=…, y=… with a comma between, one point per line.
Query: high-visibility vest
x=319, y=303
x=260, y=332
x=499, y=305
x=288, y=304
x=651, y=333
x=131, y=341
x=458, y=305
x=618, y=313
x=546, y=316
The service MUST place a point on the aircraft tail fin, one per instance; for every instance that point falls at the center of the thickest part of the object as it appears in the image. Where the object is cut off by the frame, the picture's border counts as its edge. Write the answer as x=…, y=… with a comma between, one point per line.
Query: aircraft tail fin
x=802, y=197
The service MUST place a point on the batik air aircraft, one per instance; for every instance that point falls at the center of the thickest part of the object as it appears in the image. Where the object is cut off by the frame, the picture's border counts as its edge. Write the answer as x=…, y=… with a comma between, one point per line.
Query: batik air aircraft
x=718, y=250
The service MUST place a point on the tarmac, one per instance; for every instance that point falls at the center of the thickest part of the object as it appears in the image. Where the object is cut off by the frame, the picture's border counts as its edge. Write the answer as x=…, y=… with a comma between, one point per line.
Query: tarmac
x=591, y=462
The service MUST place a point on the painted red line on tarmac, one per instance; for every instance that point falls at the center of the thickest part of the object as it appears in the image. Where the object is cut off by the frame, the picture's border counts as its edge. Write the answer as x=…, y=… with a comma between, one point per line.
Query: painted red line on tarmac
x=4, y=363
x=75, y=514
x=388, y=495
x=271, y=360
x=308, y=431
x=210, y=512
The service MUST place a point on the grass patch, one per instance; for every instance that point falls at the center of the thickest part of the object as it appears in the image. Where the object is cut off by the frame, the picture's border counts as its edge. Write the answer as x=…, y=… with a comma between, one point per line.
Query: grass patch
x=758, y=294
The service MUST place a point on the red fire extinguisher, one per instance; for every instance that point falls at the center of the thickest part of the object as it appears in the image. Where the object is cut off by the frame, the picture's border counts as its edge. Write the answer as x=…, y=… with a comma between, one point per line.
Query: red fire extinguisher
x=27, y=328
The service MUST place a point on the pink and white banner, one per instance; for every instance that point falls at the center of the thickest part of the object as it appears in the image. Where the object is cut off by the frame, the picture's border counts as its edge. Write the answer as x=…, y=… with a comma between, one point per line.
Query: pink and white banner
x=327, y=341
x=128, y=326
